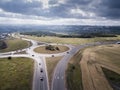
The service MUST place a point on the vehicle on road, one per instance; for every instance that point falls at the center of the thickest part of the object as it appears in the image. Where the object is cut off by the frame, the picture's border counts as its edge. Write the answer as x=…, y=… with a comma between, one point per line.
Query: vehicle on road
x=118, y=42
x=41, y=78
x=41, y=70
x=52, y=55
x=67, y=52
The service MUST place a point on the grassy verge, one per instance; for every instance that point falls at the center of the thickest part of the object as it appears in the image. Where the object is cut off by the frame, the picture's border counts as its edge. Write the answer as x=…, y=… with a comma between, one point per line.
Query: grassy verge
x=72, y=40
x=23, y=52
x=15, y=44
x=43, y=50
x=113, y=78
x=73, y=73
x=51, y=63
x=16, y=74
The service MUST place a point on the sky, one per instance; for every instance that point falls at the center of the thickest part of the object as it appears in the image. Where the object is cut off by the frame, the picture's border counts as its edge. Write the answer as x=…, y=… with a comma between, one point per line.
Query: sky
x=60, y=12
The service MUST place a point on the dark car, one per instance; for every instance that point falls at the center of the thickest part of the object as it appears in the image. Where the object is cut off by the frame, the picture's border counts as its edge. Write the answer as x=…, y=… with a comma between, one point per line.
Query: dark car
x=52, y=55
x=118, y=43
x=67, y=52
x=41, y=70
x=41, y=78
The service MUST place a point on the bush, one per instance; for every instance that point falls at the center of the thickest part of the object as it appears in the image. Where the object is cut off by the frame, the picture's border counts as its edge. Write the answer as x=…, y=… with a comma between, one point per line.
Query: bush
x=50, y=47
x=3, y=45
x=57, y=49
x=9, y=58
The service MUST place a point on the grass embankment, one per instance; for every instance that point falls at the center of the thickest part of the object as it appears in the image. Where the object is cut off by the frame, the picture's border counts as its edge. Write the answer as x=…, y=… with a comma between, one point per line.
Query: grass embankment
x=43, y=50
x=16, y=74
x=15, y=44
x=73, y=73
x=51, y=63
x=72, y=40
x=113, y=77
x=109, y=55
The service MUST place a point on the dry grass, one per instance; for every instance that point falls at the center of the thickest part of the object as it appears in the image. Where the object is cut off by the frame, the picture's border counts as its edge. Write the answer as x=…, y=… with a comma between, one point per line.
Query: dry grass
x=107, y=56
x=72, y=40
x=109, y=53
x=16, y=74
x=51, y=63
x=15, y=44
x=43, y=50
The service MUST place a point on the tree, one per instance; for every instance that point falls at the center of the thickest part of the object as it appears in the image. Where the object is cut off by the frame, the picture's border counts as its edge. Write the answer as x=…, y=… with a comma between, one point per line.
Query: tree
x=57, y=49
x=9, y=58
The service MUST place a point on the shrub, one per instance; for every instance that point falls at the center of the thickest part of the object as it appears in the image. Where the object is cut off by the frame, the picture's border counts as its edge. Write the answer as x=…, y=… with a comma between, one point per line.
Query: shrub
x=9, y=58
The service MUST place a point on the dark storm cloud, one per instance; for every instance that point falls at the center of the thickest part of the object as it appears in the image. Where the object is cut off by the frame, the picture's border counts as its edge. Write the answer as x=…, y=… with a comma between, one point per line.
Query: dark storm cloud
x=19, y=6
x=109, y=9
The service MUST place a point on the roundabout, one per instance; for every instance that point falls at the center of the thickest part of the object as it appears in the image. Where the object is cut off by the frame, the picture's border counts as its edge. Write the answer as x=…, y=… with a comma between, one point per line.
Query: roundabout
x=51, y=49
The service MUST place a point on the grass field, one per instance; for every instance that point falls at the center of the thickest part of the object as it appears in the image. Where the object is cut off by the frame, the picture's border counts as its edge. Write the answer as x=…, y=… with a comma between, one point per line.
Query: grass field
x=87, y=74
x=93, y=61
x=51, y=63
x=15, y=44
x=16, y=74
x=73, y=73
x=113, y=78
x=72, y=40
x=43, y=50
x=109, y=53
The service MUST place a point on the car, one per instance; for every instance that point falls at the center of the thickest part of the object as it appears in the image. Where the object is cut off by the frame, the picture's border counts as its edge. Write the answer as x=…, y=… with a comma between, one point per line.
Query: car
x=67, y=52
x=118, y=42
x=41, y=78
x=41, y=70
x=52, y=55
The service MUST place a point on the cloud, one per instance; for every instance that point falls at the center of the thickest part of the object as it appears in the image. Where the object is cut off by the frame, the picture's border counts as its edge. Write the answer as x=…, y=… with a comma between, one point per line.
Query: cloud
x=20, y=6
x=109, y=9
x=82, y=11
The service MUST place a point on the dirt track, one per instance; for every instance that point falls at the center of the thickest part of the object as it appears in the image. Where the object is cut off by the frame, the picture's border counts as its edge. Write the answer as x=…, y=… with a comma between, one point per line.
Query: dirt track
x=93, y=77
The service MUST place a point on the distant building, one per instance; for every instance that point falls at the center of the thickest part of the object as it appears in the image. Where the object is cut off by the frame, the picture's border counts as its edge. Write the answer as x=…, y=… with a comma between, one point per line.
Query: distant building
x=4, y=35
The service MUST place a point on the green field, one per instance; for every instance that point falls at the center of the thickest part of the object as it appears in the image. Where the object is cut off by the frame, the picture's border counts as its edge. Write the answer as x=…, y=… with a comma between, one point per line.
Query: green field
x=73, y=73
x=15, y=44
x=72, y=40
x=16, y=74
x=113, y=77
